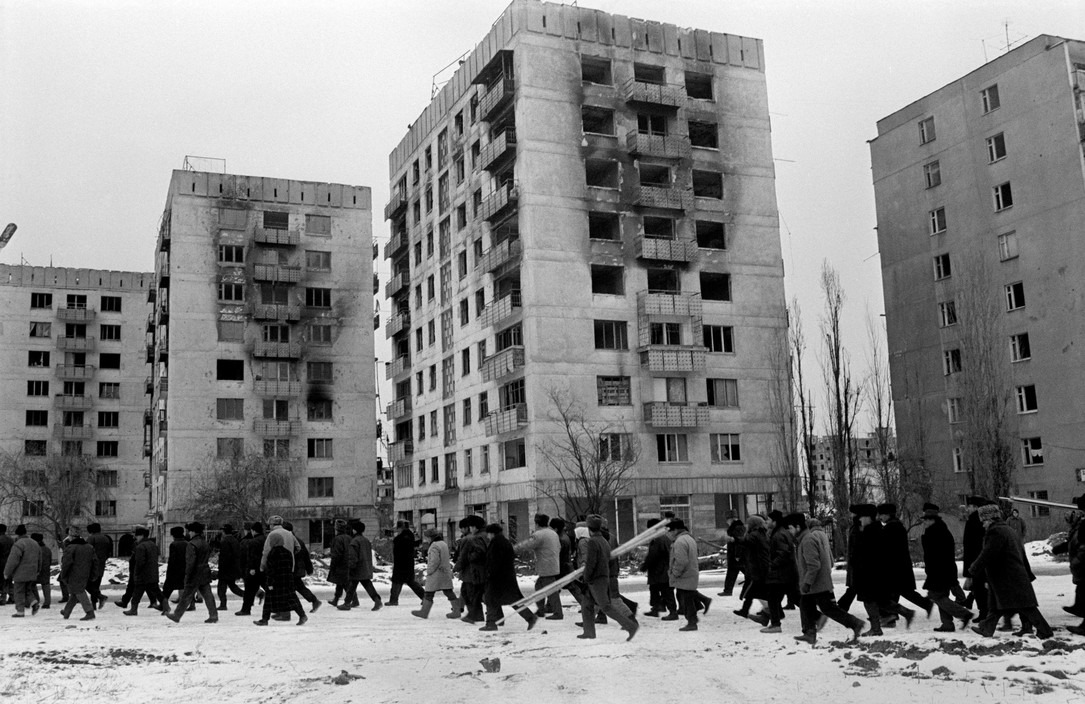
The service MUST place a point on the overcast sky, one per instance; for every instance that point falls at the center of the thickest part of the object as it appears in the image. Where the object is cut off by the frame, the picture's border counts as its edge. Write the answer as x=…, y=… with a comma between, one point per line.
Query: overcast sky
x=99, y=101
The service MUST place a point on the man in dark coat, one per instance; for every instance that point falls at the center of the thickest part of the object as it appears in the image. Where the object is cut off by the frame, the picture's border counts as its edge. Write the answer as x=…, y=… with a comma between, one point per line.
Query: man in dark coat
x=229, y=565
x=657, y=564
x=755, y=546
x=144, y=571
x=1009, y=578
x=175, y=568
x=303, y=567
x=43, y=570
x=899, y=559
x=782, y=577
x=471, y=566
x=360, y=569
x=940, y=564
x=251, y=554
x=972, y=544
x=597, y=579
x=566, y=557
x=103, y=548
x=1075, y=548
x=6, y=543
x=403, y=558
x=871, y=573
x=339, y=566
x=79, y=565
x=501, y=585
x=736, y=558
x=197, y=575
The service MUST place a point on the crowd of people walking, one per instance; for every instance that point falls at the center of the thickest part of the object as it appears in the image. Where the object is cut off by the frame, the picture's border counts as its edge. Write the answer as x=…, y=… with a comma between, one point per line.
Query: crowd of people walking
x=785, y=563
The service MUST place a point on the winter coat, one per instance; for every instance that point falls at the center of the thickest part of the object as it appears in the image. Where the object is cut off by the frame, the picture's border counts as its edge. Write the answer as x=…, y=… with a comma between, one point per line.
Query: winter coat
x=1076, y=549
x=46, y=564
x=853, y=538
x=1018, y=524
x=339, y=567
x=596, y=560
x=288, y=541
x=939, y=557
x=736, y=551
x=103, y=548
x=175, y=566
x=657, y=562
x=782, y=558
x=360, y=558
x=253, y=554
x=471, y=561
x=144, y=563
x=972, y=545
x=565, y=555
x=684, y=571
x=813, y=562
x=501, y=586
x=438, y=567
x=197, y=570
x=303, y=561
x=6, y=543
x=869, y=576
x=403, y=546
x=756, y=546
x=229, y=558
x=1005, y=564
x=79, y=565
x=279, y=592
x=24, y=561
x=545, y=544
x=898, y=557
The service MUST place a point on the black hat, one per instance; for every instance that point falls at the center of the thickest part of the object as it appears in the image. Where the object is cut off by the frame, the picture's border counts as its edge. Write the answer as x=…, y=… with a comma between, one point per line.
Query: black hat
x=288, y=526
x=887, y=509
x=495, y=529
x=558, y=524
x=473, y=521
x=595, y=522
x=37, y=537
x=177, y=532
x=195, y=527
x=257, y=527
x=930, y=507
x=930, y=511
x=20, y=529
x=868, y=510
x=227, y=528
x=795, y=519
x=676, y=524
x=94, y=527
x=776, y=515
x=142, y=530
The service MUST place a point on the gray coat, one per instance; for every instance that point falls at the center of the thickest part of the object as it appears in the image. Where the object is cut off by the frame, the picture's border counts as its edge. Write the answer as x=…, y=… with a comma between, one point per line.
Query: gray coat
x=814, y=562
x=360, y=558
x=24, y=561
x=79, y=565
x=684, y=571
x=438, y=567
x=547, y=547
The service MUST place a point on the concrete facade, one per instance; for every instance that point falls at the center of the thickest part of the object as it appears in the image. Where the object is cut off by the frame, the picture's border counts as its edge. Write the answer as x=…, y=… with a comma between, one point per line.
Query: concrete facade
x=587, y=210
x=986, y=174
x=73, y=379
x=262, y=339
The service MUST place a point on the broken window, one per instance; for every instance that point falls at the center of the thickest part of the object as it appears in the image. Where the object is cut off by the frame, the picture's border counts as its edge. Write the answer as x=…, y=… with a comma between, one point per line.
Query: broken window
x=707, y=184
x=597, y=120
x=705, y=135
x=663, y=281
x=659, y=228
x=715, y=287
x=607, y=280
x=711, y=235
x=595, y=70
x=601, y=173
x=655, y=175
x=603, y=226
x=699, y=85
x=646, y=73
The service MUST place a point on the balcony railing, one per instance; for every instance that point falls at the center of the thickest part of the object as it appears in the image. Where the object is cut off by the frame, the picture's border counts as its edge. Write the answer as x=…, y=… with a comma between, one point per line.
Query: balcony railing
x=267, y=235
x=399, y=408
x=397, y=323
x=73, y=432
x=74, y=402
x=397, y=283
x=634, y=91
x=75, y=371
x=77, y=315
x=499, y=255
x=75, y=344
x=276, y=387
x=287, y=274
x=507, y=419
x=280, y=428
x=665, y=250
x=669, y=358
x=656, y=303
x=499, y=201
x=661, y=197
x=502, y=363
x=499, y=92
x=287, y=350
x=397, y=367
x=396, y=203
x=150, y=322
x=276, y=311
x=498, y=150
x=399, y=451
x=396, y=243
x=668, y=146
x=500, y=309
x=663, y=415
x=148, y=386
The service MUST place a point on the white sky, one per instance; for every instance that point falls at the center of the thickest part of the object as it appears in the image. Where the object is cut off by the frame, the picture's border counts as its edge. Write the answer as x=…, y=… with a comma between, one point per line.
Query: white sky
x=99, y=101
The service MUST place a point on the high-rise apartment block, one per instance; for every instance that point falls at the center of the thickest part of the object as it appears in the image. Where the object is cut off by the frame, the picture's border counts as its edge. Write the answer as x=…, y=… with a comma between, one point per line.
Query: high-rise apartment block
x=980, y=190
x=73, y=379
x=261, y=344
x=585, y=216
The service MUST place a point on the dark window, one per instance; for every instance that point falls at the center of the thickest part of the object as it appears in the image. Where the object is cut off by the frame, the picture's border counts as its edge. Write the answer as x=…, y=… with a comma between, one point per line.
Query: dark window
x=230, y=409
x=111, y=304
x=319, y=372
x=37, y=418
x=597, y=120
x=613, y=391
x=109, y=419
x=719, y=338
x=648, y=123
x=715, y=287
x=704, y=134
x=276, y=221
x=658, y=228
x=655, y=175
x=595, y=70
x=318, y=297
x=603, y=226
x=711, y=235
x=109, y=361
x=110, y=332
x=107, y=448
x=611, y=335
x=36, y=358
x=35, y=448
x=707, y=184
x=699, y=85
x=319, y=410
x=37, y=388
x=321, y=487
x=41, y=300
x=646, y=73
x=319, y=448
x=601, y=173
x=663, y=281
x=230, y=370
x=607, y=279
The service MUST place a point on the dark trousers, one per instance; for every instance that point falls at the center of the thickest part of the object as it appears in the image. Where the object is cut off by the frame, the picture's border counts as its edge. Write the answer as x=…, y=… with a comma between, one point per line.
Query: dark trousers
x=471, y=594
x=447, y=592
x=661, y=598
x=252, y=586
x=947, y=608
x=597, y=598
x=733, y=571
x=300, y=588
x=367, y=584
x=393, y=595
x=94, y=589
x=980, y=595
x=846, y=599
x=266, y=614
x=875, y=609
x=151, y=590
x=230, y=584
x=77, y=596
x=130, y=590
x=495, y=613
x=775, y=594
x=552, y=603
x=811, y=606
x=1030, y=616
x=46, y=593
x=689, y=602
x=188, y=596
x=917, y=599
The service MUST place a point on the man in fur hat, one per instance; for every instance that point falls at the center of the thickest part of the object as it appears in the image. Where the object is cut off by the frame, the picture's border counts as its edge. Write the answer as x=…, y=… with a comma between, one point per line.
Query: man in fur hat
x=197, y=575
x=940, y=564
x=814, y=563
x=871, y=572
x=597, y=579
x=899, y=559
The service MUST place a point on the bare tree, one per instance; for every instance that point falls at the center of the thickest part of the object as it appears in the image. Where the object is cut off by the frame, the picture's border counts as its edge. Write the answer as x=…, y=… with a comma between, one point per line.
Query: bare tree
x=243, y=488
x=593, y=460
x=803, y=396
x=880, y=405
x=986, y=446
x=784, y=461
x=53, y=491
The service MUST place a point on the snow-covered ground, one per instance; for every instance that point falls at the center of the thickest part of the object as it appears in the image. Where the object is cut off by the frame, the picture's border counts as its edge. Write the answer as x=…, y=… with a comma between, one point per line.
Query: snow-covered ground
x=390, y=656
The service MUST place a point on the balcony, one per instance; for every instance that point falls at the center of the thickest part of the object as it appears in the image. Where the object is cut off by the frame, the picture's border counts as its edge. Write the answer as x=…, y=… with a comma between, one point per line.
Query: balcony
x=148, y=386
x=75, y=372
x=502, y=363
x=661, y=197
x=74, y=402
x=499, y=255
x=498, y=202
x=277, y=273
x=276, y=387
x=663, y=415
x=500, y=149
x=497, y=95
x=276, y=311
x=507, y=419
x=150, y=322
x=669, y=146
x=147, y=416
x=163, y=385
x=152, y=295
x=500, y=309
x=399, y=451
x=634, y=91
x=282, y=350
x=398, y=408
x=664, y=250
x=397, y=283
x=397, y=367
x=397, y=203
x=75, y=344
x=73, y=432
x=397, y=324
x=267, y=427
x=76, y=315
x=269, y=236
x=150, y=353
x=395, y=244
x=671, y=358
x=661, y=303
